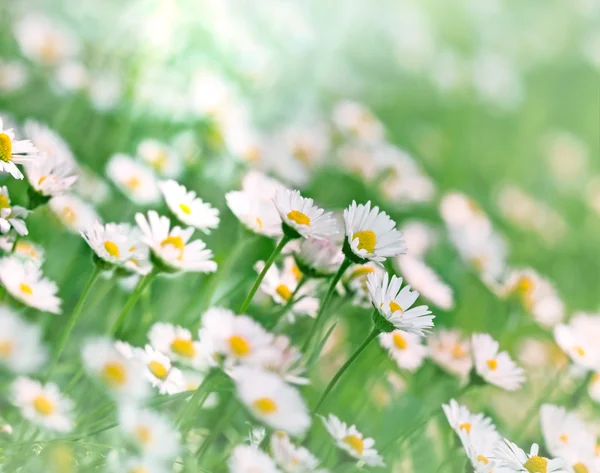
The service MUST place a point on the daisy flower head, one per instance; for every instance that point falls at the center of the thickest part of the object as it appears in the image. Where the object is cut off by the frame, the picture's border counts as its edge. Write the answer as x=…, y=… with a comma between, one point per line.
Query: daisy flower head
x=350, y=440
x=120, y=375
x=394, y=305
x=371, y=235
x=160, y=157
x=249, y=459
x=25, y=282
x=271, y=400
x=73, y=212
x=49, y=141
x=13, y=152
x=13, y=76
x=286, y=361
x=11, y=216
x=188, y=207
x=425, y=280
x=21, y=345
x=291, y=458
x=133, y=179
x=493, y=366
x=114, y=243
x=463, y=421
x=177, y=344
x=512, y=459
x=564, y=431
x=171, y=248
x=301, y=218
x=594, y=387
x=159, y=370
x=50, y=175
x=579, y=339
x=405, y=348
x=152, y=433
x=451, y=350
x=318, y=257
x=29, y=251
x=356, y=121
x=92, y=187
x=43, y=405
x=355, y=283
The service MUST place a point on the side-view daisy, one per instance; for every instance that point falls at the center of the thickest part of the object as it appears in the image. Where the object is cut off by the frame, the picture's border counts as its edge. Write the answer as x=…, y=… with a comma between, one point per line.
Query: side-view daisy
x=171, y=248
x=50, y=175
x=249, y=459
x=42, y=405
x=451, y=350
x=579, y=339
x=405, y=348
x=291, y=458
x=11, y=216
x=495, y=367
x=114, y=243
x=318, y=257
x=394, y=305
x=74, y=213
x=371, y=235
x=188, y=208
x=512, y=459
x=13, y=152
x=49, y=141
x=564, y=431
x=349, y=439
x=133, y=179
x=160, y=157
x=25, y=282
x=21, y=345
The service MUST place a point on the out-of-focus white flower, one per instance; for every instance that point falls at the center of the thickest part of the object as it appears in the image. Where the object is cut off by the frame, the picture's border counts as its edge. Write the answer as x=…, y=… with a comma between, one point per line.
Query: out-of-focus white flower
x=13, y=152
x=50, y=175
x=25, y=282
x=176, y=342
x=13, y=76
x=301, y=217
x=293, y=459
x=28, y=251
x=359, y=159
x=11, y=216
x=188, y=208
x=451, y=350
x=511, y=459
x=355, y=120
x=159, y=370
x=318, y=258
x=42, y=405
x=71, y=76
x=49, y=141
x=186, y=143
x=271, y=400
x=405, y=348
x=355, y=283
x=21, y=346
x=565, y=434
x=248, y=459
x=426, y=281
x=579, y=339
x=568, y=157
x=211, y=95
x=493, y=366
x=594, y=387
x=349, y=439
x=135, y=180
x=92, y=187
x=496, y=81
x=419, y=237
x=74, y=213
x=160, y=157
x=286, y=361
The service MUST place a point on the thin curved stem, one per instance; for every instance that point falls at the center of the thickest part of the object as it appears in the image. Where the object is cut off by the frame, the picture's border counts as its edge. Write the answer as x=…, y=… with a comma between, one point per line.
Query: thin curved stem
x=72, y=321
x=133, y=298
x=278, y=249
x=374, y=333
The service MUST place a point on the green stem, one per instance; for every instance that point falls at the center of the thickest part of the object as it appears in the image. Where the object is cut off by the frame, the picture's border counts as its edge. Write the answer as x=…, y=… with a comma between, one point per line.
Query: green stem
x=317, y=323
x=72, y=321
x=202, y=388
x=133, y=298
x=374, y=333
x=231, y=408
x=278, y=249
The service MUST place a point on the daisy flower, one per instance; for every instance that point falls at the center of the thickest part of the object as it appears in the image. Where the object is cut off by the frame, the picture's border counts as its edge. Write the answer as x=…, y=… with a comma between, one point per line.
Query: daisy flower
x=171, y=247
x=301, y=218
x=511, y=459
x=159, y=370
x=11, y=216
x=49, y=141
x=188, y=208
x=13, y=76
x=121, y=376
x=394, y=305
x=29, y=251
x=579, y=339
x=462, y=420
x=426, y=281
x=114, y=243
x=42, y=405
x=160, y=157
x=420, y=237
x=25, y=282
x=133, y=179
x=370, y=234
x=594, y=387
x=495, y=367
x=355, y=120
x=271, y=400
x=355, y=283
x=177, y=344
x=248, y=459
x=286, y=361
x=318, y=258
x=405, y=348
x=349, y=439
x=563, y=431
x=50, y=175
x=74, y=213
x=291, y=458
x=152, y=433
x=451, y=350
x=92, y=187
x=13, y=152
x=21, y=345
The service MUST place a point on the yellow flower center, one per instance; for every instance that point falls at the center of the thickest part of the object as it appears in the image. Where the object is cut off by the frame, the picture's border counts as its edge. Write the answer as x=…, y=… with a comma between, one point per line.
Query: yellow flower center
x=366, y=240
x=284, y=292
x=114, y=373
x=133, y=183
x=399, y=341
x=492, y=364
x=112, y=249
x=301, y=153
x=362, y=271
x=299, y=217
x=4, y=202
x=138, y=469
x=185, y=209
x=296, y=272
x=355, y=443
x=239, y=345
x=183, y=347
x=580, y=351
x=482, y=459
x=265, y=405
x=143, y=433
x=69, y=215
x=5, y=148
x=175, y=242
x=458, y=351
x=259, y=223
x=564, y=438
x=395, y=307
x=43, y=405
x=525, y=284
x=6, y=348
x=26, y=289
x=466, y=427
x=158, y=369
x=25, y=248
x=253, y=154
x=41, y=179
x=159, y=160
x=580, y=468
x=536, y=465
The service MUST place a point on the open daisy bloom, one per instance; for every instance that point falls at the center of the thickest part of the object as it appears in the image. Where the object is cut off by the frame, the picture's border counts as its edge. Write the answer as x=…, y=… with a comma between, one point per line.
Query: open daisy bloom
x=177, y=343
x=49, y=141
x=394, y=305
x=50, y=176
x=74, y=213
x=249, y=459
x=115, y=243
x=356, y=120
x=160, y=157
x=133, y=179
x=42, y=405
x=171, y=248
x=404, y=348
x=21, y=345
x=159, y=370
x=349, y=439
x=370, y=234
x=11, y=216
x=511, y=459
x=495, y=367
x=271, y=400
x=25, y=282
x=13, y=152
x=188, y=208
x=579, y=339
x=451, y=350
x=290, y=458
